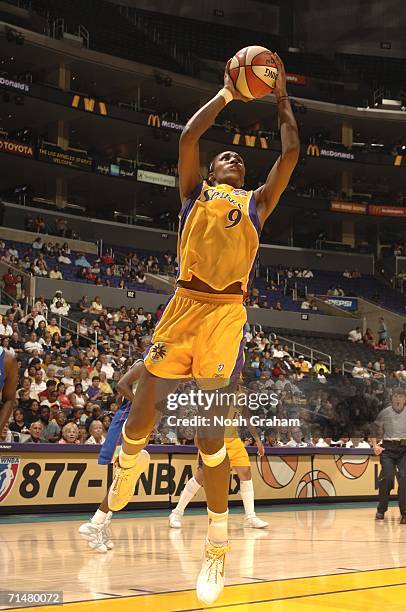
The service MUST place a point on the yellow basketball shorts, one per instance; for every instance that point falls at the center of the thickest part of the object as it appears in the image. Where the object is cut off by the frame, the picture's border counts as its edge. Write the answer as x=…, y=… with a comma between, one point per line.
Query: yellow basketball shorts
x=200, y=336
x=236, y=451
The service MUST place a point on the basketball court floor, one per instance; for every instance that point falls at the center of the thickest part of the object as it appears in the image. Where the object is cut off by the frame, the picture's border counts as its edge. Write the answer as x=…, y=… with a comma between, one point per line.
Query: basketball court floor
x=311, y=558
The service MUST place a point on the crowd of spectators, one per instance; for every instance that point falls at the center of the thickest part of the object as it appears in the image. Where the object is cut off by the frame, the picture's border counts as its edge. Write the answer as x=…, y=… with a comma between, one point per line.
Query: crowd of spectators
x=67, y=391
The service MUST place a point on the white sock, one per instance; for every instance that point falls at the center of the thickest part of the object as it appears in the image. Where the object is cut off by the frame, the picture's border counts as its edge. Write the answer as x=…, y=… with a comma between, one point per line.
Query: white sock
x=217, y=531
x=188, y=493
x=247, y=496
x=99, y=517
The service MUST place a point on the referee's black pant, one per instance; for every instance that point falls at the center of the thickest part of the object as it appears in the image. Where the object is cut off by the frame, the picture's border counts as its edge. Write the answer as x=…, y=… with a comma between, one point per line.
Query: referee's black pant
x=393, y=461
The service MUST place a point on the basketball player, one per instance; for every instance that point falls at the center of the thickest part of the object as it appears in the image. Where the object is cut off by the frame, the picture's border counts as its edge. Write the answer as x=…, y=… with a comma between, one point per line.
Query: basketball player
x=200, y=333
x=239, y=462
x=97, y=530
x=8, y=385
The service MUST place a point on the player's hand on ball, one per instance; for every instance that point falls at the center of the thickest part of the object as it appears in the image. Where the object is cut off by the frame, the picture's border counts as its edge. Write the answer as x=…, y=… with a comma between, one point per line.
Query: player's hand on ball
x=228, y=84
x=280, y=85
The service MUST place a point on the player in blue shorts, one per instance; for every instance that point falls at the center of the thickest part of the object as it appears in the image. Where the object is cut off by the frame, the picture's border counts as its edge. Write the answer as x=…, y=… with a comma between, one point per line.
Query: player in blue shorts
x=97, y=530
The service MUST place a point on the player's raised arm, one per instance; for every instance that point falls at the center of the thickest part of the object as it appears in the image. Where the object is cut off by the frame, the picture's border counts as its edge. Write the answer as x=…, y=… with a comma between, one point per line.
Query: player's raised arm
x=9, y=389
x=189, y=162
x=267, y=196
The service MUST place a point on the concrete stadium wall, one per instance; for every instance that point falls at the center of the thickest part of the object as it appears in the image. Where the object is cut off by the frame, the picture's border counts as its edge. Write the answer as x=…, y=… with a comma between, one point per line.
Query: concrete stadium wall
x=150, y=301
x=7, y=233
x=160, y=240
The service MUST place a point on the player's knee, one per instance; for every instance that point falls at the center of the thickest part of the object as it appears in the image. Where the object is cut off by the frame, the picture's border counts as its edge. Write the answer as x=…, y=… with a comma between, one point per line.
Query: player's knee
x=214, y=459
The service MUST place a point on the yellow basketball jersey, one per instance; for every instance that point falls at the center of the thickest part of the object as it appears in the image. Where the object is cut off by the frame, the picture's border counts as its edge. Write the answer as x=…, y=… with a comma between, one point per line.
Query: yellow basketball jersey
x=218, y=236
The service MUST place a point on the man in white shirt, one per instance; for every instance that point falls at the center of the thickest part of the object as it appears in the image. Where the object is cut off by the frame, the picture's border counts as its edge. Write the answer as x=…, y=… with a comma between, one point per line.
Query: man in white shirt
x=296, y=439
x=358, y=371
x=35, y=315
x=106, y=367
x=401, y=373
x=305, y=305
x=39, y=384
x=355, y=335
x=33, y=345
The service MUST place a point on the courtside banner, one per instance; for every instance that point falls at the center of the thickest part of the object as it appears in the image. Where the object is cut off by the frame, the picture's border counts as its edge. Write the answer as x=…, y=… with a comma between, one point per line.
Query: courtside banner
x=16, y=148
x=70, y=477
x=68, y=158
x=349, y=207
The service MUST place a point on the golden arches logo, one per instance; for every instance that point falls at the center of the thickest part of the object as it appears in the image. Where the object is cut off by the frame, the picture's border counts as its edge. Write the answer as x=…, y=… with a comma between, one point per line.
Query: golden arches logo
x=154, y=120
x=313, y=150
x=89, y=105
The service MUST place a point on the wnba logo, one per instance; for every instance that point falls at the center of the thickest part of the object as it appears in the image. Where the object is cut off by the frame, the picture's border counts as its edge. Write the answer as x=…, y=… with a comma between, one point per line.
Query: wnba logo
x=313, y=150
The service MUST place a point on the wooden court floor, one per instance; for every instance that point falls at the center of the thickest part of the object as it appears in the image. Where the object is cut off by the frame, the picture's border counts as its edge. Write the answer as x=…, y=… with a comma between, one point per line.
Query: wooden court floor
x=328, y=558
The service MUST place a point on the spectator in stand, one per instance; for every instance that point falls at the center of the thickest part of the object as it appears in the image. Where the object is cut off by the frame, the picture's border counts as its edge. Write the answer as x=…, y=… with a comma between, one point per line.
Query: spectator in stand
x=355, y=335
x=94, y=392
x=55, y=273
x=97, y=306
x=401, y=373
x=382, y=330
x=38, y=244
x=296, y=439
x=359, y=371
x=96, y=433
x=5, y=328
x=51, y=431
x=52, y=327
x=19, y=423
x=402, y=339
x=303, y=365
x=369, y=338
x=10, y=283
x=59, y=305
x=305, y=305
x=16, y=313
x=140, y=278
x=81, y=262
x=64, y=259
x=36, y=433
x=32, y=344
x=70, y=434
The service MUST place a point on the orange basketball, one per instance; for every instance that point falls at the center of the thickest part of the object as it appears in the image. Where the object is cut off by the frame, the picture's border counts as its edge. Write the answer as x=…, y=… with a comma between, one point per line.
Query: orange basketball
x=352, y=466
x=253, y=71
x=315, y=484
x=277, y=472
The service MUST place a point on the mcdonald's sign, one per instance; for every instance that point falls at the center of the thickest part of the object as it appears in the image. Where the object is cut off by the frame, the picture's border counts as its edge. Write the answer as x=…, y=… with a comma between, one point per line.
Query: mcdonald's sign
x=154, y=120
x=89, y=104
x=313, y=150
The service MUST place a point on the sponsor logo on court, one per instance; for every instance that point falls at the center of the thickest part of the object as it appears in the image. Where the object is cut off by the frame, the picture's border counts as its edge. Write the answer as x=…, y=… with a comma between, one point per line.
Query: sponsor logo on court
x=8, y=473
x=158, y=351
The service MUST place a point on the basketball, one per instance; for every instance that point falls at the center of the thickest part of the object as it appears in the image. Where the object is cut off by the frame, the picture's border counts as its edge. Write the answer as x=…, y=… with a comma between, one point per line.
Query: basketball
x=277, y=472
x=253, y=72
x=352, y=466
x=315, y=484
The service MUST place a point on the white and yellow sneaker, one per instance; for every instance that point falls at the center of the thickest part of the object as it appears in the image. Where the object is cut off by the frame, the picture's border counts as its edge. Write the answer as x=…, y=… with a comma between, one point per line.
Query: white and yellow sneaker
x=123, y=485
x=210, y=582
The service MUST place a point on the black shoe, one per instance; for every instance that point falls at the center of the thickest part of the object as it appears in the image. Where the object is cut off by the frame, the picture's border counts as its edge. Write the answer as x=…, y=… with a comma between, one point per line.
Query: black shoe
x=380, y=516
x=403, y=520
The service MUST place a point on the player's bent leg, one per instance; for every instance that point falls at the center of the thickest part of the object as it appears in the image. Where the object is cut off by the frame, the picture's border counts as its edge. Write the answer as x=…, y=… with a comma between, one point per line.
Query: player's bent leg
x=248, y=499
x=216, y=471
x=133, y=459
x=191, y=488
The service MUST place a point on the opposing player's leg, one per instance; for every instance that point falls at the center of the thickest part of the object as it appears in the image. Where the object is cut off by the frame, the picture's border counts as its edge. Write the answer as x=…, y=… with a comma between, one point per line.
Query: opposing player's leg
x=191, y=488
x=133, y=460
x=97, y=530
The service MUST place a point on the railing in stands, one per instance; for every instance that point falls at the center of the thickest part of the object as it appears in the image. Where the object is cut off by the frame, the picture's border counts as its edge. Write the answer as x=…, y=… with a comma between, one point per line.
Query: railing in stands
x=307, y=351
x=348, y=367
